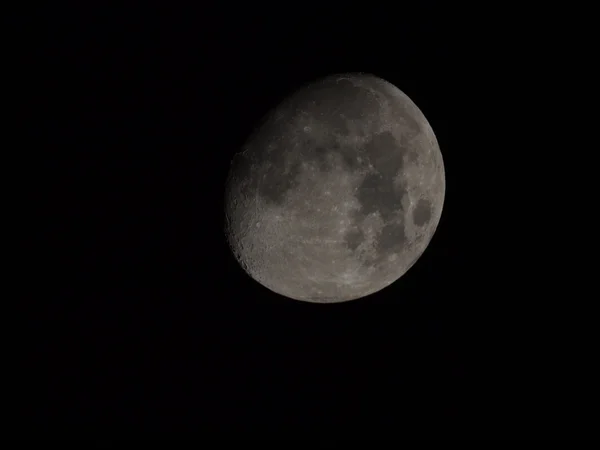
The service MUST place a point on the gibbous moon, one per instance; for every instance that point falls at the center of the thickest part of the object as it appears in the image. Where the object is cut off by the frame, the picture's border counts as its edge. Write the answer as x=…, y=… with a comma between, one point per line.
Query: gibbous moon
x=338, y=193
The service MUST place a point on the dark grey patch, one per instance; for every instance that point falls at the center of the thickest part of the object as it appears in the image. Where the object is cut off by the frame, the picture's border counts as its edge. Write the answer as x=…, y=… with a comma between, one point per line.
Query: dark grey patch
x=307, y=142
x=391, y=239
x=351, y=161
x=275, y=182
x=422, y=213
x=353, y=239
x=371, y=182
x=347, y=153
x=377, y=193
x=324, y=164
x=337, y=123
x=385, y=154
x=404, y=141
x=325, y=154
x=320, y=155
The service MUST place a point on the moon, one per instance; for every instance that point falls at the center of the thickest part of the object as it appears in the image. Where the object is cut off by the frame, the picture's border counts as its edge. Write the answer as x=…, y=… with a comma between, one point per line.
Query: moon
x=338, y=193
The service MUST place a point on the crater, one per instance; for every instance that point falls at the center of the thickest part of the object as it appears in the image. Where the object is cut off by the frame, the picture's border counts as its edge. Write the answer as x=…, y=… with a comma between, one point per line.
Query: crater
x=422, y=212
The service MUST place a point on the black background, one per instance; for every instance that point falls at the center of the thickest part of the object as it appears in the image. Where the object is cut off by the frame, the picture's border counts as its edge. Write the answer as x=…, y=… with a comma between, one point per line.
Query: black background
x=139, y=322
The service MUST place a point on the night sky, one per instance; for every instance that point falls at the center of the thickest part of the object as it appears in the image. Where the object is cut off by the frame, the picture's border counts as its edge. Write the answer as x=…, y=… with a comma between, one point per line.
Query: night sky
x=139, y=320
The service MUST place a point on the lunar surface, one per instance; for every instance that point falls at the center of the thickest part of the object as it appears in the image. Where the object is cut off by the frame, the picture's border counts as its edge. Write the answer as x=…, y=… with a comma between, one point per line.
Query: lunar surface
x=338, y=193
